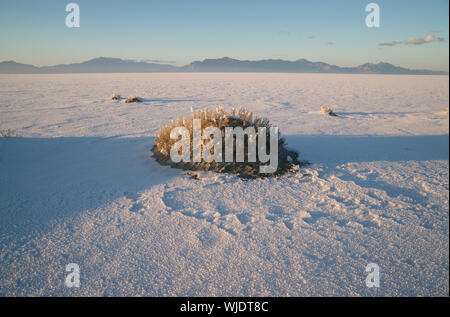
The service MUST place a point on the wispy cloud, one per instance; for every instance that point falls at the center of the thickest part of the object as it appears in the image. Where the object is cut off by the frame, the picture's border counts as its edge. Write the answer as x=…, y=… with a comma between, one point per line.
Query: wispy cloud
x=310, y=37
x=416, y=40
x=390, y=43
x=330, y=43
x=284, y=32
x=423, y=40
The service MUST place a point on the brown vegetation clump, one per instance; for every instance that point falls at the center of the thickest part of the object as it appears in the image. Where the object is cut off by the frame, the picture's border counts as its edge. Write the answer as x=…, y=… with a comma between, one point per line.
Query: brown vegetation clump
x=328, y=111
x=133, y=99
x=287, y=159
x=115, y=97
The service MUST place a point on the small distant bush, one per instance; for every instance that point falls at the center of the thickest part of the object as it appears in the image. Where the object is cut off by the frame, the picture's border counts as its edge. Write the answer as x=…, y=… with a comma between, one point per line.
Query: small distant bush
x=116, y=97
x=287, y=159
x=8, y=133
x=133, y=99
x=328, y=111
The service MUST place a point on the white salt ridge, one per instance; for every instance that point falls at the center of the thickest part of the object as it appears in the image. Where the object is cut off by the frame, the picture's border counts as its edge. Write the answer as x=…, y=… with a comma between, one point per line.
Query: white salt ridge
x=80, y=186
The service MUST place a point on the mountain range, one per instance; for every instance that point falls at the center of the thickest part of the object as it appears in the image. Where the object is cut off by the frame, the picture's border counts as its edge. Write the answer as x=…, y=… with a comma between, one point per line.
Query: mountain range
x=226, y=64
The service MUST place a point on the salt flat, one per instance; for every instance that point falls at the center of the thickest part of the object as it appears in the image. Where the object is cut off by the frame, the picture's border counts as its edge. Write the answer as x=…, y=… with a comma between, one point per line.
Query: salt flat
x=80, y=187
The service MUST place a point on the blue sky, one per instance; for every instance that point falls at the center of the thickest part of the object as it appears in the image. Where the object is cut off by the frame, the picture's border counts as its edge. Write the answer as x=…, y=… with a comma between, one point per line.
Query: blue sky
x=183, y=31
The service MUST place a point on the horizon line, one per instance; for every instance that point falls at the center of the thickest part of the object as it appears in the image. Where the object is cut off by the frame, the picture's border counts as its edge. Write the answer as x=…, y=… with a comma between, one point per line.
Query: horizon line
x=147, y=61
x=156, y=62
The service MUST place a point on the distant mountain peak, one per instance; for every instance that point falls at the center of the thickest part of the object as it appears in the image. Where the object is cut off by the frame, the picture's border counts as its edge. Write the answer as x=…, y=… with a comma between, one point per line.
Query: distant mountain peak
x=303, y=60
x=12, y=67
x=227, y=59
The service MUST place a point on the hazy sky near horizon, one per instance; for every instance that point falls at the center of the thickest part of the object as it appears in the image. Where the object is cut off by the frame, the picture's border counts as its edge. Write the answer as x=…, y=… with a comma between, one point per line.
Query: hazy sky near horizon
x=332, y=31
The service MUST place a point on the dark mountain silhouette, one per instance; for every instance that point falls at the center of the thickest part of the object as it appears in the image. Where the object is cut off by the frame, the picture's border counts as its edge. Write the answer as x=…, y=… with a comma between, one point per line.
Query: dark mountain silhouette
x=108, y=65
x=386, y=68
x=11, y=67
x=226, y=64
x=299, y=66
x=96, y=65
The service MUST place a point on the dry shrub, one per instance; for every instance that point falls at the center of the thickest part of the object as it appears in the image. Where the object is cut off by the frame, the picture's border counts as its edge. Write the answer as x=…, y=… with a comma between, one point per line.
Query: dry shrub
x=287, y=159
x=328, y=111
x=133, y=99
x=116, y=97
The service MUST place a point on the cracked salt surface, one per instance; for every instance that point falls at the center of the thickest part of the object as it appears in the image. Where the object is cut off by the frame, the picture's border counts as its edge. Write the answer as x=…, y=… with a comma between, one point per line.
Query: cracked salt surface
x=81, y=186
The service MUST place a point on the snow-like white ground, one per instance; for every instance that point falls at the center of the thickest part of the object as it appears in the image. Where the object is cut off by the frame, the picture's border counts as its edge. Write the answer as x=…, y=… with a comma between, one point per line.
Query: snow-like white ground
x=80, y=186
